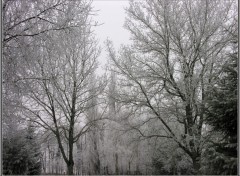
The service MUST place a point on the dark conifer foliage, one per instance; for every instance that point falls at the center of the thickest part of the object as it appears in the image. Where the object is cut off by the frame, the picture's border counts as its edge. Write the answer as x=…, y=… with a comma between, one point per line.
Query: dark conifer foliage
x=222, y=114
x=221, y=156
x=14, y=155
x=21, y=153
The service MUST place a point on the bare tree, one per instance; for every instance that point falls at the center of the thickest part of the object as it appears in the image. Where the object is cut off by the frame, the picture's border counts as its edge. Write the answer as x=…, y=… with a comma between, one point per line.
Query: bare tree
x=177, y=48
x=59, y=91
x=24, y=23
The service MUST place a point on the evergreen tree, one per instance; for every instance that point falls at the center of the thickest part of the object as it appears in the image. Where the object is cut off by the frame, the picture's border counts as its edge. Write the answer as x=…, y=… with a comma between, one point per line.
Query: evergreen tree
x=14, y=154
x=223, y=101
x=21, y=153
x=221, y=155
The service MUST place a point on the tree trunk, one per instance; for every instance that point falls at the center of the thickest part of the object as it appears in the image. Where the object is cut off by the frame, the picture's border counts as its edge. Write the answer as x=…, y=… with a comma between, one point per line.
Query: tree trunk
x=49, y=161
x=79, y=152
x=70, y=168
x=196, y=165
x=70, y=161
x=71, y=131
x=116, y=164
x=129, y=167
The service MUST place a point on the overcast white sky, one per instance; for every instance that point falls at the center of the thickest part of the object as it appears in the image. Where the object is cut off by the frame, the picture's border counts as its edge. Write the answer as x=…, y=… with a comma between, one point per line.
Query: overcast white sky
x=111, y=14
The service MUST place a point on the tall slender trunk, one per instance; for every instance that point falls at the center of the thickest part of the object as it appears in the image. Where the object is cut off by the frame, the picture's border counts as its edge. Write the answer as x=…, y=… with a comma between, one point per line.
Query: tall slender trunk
x=129, y=167
x=79, y=152
x=49, y=160
x=116, y=164
x=70, y=163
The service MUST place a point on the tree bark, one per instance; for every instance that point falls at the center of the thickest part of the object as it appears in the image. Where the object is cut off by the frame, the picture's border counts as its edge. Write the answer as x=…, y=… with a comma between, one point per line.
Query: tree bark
x=196, y=164
x=71, y=131
x=70, y=168
x=70, y=161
